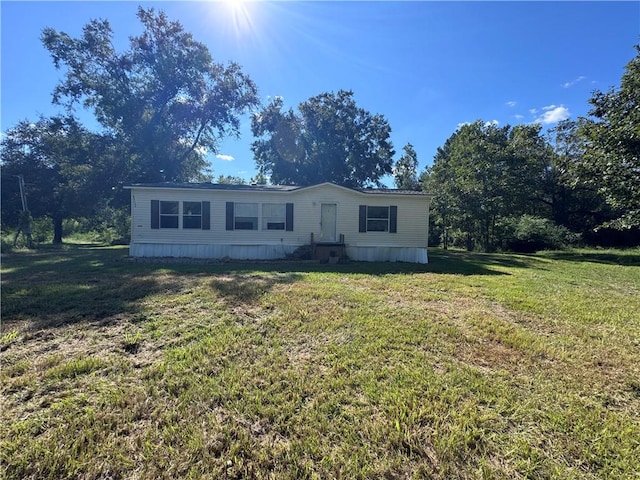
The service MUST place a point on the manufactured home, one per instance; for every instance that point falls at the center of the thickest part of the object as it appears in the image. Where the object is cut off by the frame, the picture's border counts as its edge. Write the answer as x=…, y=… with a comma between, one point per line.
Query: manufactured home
x=206, y=220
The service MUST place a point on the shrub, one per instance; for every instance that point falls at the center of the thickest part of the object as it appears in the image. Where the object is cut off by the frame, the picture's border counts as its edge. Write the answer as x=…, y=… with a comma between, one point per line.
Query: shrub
x=529, y=234
x=42, y=230
x=5, y=245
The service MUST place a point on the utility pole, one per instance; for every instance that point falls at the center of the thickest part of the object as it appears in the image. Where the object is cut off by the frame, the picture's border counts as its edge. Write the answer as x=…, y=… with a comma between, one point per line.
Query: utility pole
x=22, y=195
x=24, y=223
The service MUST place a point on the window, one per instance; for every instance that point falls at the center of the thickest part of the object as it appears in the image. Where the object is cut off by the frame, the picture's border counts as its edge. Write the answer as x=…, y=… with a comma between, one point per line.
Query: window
x=195, y=215
x=274, y=216
x=169, y=212
x=378, y=219
x=245, y=216
x=192, y=215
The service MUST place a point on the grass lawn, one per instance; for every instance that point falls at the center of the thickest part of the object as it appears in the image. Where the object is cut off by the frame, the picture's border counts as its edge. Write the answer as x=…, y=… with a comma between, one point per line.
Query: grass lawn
x=474, y=366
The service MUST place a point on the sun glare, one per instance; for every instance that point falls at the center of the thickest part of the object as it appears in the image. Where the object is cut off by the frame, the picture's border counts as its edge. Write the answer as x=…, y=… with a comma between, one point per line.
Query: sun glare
x=239, y=14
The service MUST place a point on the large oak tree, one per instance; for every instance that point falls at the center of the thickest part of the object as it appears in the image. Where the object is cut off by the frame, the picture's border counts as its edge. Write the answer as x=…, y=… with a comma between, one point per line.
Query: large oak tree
x=164, y=99
x=329, y=139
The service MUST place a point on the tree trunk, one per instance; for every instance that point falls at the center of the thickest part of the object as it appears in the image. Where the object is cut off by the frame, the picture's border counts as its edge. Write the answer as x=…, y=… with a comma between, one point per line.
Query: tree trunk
x=57, y=231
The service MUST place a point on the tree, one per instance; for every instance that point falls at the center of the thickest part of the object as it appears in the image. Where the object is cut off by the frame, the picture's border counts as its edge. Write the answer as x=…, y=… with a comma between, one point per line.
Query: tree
x=330, y=139
x=165, y=101
x=66, y=169
x=405, y=172
x=259, y=179
x=611, y=161
x=467, y=173
x=230, y=180
x=574, y=204
x=483, y=175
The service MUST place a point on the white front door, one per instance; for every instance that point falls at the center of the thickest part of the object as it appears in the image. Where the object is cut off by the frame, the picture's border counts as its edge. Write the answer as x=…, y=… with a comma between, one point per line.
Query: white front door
x=328, y=215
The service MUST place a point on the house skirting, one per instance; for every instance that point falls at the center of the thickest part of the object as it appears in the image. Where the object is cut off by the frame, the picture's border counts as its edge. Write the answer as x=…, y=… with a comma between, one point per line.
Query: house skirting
x=272, y=252
x=387, y=254
x=237, y=252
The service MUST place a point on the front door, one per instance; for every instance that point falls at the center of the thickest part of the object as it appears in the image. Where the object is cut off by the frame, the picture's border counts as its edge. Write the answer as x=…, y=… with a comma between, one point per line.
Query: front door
x=328, y=215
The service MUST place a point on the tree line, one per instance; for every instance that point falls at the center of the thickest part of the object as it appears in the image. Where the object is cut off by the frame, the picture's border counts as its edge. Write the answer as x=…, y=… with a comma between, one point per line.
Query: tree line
x=517, y=189
x=164, y=104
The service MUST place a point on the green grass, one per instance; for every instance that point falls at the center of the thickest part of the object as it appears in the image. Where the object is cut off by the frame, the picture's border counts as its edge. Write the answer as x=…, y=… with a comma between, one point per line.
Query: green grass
x=474, y=366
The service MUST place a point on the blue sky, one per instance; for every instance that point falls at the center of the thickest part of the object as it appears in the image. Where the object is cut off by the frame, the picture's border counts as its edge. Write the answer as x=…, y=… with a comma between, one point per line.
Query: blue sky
x=426, y=66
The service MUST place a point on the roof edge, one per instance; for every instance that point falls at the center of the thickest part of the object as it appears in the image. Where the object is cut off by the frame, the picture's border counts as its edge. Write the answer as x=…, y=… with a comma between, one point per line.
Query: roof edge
x=271, y=188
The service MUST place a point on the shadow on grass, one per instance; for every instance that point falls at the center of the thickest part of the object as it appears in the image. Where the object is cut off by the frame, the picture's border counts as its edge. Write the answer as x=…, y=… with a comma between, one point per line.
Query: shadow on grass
x=78, y=283
x=621, y=257
x=53, y=287
x=241, y=288
x=474, y=263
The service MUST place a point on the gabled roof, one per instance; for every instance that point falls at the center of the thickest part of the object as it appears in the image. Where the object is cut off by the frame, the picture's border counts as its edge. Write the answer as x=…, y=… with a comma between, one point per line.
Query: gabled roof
x=269, y=188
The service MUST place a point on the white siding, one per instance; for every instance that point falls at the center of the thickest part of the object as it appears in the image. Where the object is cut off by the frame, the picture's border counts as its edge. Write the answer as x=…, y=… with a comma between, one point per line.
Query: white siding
x=412, y=223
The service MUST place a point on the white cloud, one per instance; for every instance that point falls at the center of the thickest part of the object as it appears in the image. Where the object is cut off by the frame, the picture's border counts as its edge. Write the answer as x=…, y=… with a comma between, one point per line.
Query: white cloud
x=573, y=82
x=518, y=116
x=533, y=111
x=553, y=114
x=225, y=158
x=511, y=103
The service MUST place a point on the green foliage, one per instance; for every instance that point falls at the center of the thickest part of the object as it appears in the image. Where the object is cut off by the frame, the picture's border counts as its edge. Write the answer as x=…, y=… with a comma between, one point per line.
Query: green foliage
x=231, y=180
x=164, y=101
x=163, y=104
x=574, y=204
x=583, y=178
x=482, y=174
x=64, y=167
x=42, y=230
x=405, y=171
x=611, y=160
x=331, y=139
x=259, y=179
x=6, y=244
x=528, y=233
x=109, y=225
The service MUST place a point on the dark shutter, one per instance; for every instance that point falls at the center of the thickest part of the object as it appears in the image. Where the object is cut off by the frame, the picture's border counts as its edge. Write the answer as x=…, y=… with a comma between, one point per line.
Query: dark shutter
x=393, y=219
x=206, y=216
x=155, y=214
x=229, y=215
x=363, y=219
x=289, y=219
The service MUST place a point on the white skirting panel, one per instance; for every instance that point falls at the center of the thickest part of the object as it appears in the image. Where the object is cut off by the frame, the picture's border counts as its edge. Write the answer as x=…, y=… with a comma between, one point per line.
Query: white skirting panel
x=238, y=252
x=388, y=254
x=269, y=252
